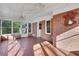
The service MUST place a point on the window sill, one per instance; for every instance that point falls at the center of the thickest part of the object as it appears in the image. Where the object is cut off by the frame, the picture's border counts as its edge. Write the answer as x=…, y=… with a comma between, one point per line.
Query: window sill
x=48, y=33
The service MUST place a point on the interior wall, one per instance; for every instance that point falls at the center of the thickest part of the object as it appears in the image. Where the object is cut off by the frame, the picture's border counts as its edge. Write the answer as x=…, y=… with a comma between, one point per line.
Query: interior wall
x=44, y=35
x=58, y=24
x=69, y=40
x=34, y=30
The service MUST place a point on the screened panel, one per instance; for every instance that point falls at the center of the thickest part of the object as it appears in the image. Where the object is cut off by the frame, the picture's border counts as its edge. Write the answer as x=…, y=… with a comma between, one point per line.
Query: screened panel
x=48, y=26
x=29, y=27
x=16, y=27
x=6, y=27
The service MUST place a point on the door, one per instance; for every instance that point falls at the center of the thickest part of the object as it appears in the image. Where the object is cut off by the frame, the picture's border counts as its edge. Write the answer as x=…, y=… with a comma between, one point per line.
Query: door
x=39, y=29
x=24, y=31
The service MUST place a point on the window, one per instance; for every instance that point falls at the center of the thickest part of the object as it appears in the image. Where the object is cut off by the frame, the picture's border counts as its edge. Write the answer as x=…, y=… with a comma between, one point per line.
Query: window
x=6, y=27
x=29, y=27
x=24, y=28
x=16, y=27
x=40, y=25
x=48, y=27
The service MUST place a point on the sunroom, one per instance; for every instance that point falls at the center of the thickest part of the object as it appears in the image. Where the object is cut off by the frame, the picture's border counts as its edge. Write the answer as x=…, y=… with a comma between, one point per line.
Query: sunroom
x=39, y=29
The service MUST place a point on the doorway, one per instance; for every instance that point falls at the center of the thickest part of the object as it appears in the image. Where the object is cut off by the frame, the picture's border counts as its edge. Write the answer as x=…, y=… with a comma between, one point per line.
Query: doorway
x=39, y=29
x=29, y=29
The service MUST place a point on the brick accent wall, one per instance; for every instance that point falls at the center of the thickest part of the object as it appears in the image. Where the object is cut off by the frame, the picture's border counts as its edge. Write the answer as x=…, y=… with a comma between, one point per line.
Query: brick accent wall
x=44, y=35
x=58, y=24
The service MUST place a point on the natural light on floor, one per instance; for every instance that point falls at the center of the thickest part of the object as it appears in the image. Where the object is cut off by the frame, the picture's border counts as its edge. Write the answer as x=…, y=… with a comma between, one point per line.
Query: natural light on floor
x=43, y=49
x=14, y=47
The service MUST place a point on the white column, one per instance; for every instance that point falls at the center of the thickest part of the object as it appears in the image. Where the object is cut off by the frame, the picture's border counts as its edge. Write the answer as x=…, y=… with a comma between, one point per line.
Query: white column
x=1, y=27
x=21, y=28
x=27, y=29
x=11, y=27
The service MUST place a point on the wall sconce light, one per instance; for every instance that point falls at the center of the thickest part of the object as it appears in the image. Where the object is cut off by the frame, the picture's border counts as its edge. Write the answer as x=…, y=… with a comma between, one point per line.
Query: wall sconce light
x=70, y=22
x=69, y=18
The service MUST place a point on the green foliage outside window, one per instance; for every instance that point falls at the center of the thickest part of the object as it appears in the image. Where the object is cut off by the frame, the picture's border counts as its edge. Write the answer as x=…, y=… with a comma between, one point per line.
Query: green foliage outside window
x=16, y=27
x=6, y=27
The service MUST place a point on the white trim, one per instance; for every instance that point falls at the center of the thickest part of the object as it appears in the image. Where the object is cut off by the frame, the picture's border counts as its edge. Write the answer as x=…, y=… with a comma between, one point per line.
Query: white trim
x=15, y=27
x=11, y=27
x=27, y=29
x=45, y=17
x=1, y=27
x=46, y=27
x=31, y=28
x=37, y=29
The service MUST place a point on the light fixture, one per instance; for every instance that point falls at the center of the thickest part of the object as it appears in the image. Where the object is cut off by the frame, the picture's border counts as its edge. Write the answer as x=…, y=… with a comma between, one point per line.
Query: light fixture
x=70, y=22
x=70, y=18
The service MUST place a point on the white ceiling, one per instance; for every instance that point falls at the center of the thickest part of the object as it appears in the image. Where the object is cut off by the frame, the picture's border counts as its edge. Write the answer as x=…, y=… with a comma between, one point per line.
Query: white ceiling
x=30, y=11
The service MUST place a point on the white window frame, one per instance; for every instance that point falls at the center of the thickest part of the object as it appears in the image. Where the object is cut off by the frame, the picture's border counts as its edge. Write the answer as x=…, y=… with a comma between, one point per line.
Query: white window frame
x=11, y=26
x=1, y=26
x=46, y=27
x=15, y=27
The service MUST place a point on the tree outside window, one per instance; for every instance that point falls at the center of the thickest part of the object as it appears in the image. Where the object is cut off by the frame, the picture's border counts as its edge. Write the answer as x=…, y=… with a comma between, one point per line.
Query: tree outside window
x=6, y=27
x=16, y=27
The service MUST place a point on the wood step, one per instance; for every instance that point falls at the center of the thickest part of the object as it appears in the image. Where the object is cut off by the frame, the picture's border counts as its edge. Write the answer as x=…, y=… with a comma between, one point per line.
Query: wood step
x=64, y=51
x=74, y=53
x=54, y=50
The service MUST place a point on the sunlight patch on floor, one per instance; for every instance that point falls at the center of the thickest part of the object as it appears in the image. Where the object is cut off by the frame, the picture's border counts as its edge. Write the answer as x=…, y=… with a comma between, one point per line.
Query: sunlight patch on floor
x=14, y=47
x=42, y=49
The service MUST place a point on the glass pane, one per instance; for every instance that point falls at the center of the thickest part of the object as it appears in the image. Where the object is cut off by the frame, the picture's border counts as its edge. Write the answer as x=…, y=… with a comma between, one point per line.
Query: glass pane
x=40, y=25
x=6, y=23
x=16, y=24
x=6, y=27
x=6, y=30
x=24, y=31
x=24, y=28
x=15, y=30
x=29, y=27
x=48, y=26
x=16, y=27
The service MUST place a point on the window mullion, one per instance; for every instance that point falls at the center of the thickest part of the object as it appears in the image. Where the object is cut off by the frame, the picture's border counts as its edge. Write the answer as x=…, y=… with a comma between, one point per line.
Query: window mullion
x=11, y=27
x=1, y=27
